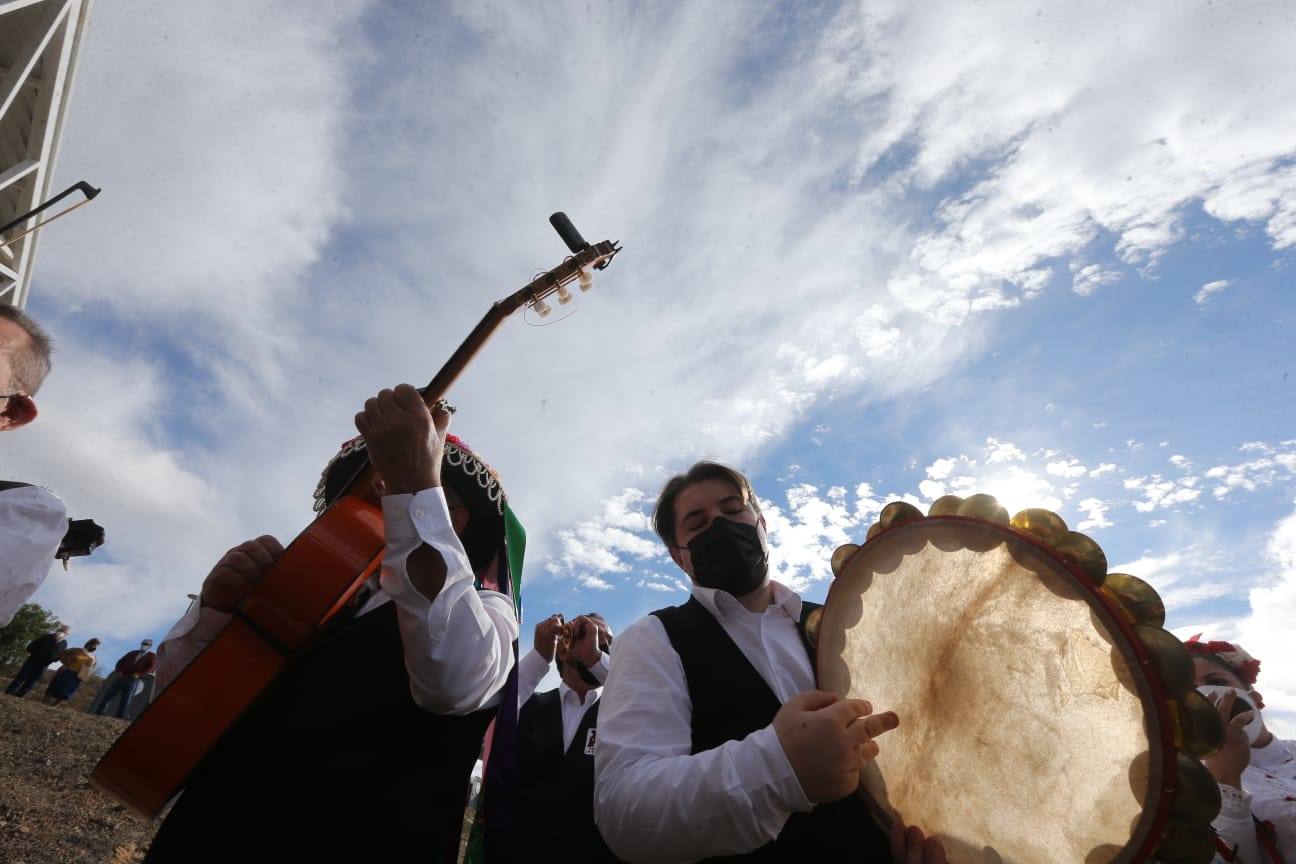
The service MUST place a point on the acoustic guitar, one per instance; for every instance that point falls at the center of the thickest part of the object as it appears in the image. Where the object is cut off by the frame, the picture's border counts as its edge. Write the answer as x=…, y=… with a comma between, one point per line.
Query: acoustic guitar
x=318, y=573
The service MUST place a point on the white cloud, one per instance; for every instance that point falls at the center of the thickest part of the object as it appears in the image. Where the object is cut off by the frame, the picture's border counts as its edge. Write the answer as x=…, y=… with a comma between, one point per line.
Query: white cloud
x=1095, y=511
x=1002, y=451
x=940, y=469
x=653, y=585
x=1204, y=293
x=1102, y=470
x=1066, y=468
x=594, y=583
x=1088, y=278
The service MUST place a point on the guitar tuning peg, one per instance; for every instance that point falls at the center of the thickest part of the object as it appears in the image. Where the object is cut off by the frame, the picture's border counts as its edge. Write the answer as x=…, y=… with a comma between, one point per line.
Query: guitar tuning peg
x=564, y=296
x=542, y=308
x=586, y=280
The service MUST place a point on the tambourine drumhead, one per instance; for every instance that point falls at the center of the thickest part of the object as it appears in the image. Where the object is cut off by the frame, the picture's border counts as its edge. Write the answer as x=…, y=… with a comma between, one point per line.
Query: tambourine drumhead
x=1027, y=733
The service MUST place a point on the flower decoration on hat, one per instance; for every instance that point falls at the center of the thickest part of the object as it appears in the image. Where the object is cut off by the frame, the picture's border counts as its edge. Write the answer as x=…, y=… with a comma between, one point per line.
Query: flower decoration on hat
x=1246, y=667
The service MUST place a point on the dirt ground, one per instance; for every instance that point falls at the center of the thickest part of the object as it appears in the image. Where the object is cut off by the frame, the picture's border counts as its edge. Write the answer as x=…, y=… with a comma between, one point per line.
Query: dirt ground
x=48, y=812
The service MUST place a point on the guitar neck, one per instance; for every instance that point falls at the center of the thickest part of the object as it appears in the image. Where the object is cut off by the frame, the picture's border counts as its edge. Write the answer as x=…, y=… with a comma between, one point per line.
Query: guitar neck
x=587, y=257
x=464, y=354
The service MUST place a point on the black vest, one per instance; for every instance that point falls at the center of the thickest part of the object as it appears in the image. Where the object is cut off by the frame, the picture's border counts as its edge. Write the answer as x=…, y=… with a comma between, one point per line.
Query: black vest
x=557, y=797
x=335, y=763
x=730, y=700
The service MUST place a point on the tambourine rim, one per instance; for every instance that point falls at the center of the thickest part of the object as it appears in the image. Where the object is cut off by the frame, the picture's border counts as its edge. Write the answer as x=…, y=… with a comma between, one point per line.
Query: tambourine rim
x=1160, y=699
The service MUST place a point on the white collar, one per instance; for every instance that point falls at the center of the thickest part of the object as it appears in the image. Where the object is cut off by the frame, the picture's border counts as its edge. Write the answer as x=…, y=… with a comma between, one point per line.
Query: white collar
x=724, y=605
x=590, y=698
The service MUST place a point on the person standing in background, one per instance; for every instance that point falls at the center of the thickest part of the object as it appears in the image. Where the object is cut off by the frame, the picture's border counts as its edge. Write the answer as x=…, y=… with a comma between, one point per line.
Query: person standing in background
x=132, y=666
x=78, y=663
x=42, y=651
x=557, y=734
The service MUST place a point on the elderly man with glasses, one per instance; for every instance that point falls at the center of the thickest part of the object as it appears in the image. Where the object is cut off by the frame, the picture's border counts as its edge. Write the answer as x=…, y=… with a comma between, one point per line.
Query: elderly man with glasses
x=32, y=520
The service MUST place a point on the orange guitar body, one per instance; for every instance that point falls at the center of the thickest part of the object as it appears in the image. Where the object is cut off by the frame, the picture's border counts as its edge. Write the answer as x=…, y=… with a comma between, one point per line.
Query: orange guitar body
x=317, y=574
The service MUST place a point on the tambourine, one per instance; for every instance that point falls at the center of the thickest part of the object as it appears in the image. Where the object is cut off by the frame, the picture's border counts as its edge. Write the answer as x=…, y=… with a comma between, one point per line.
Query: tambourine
x=1045, y=715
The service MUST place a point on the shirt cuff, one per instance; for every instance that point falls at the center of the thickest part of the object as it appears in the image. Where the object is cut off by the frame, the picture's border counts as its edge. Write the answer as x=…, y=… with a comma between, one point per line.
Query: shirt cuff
x=1235, y=803
x=782, y=778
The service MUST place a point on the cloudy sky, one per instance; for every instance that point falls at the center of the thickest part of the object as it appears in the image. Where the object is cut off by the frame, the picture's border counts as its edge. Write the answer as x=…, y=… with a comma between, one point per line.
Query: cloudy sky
x=871, y=251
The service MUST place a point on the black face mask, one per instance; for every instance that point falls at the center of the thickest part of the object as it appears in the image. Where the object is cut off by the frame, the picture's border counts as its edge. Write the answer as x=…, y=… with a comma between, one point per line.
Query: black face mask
x=728, y=556
x=581, y=669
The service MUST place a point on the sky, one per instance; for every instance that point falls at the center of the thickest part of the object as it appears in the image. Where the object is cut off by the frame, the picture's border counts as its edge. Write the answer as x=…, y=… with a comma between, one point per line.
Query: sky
x=872, y=251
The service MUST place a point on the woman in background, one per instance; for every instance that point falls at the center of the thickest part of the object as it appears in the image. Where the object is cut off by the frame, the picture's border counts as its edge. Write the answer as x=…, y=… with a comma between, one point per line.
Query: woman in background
x=1256, y=771
x=78, y=663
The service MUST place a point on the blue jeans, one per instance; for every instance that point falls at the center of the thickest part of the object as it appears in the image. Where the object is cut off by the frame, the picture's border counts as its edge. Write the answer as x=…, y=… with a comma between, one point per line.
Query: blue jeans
x=123, y=687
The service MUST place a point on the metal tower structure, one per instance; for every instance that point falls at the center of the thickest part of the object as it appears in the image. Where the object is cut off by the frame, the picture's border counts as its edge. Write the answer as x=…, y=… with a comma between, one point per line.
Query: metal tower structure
x=39, y=42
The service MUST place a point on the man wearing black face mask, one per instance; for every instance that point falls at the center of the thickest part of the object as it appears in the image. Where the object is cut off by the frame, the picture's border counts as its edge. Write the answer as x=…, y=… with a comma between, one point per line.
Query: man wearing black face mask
x=557, y=731
x=713, y=740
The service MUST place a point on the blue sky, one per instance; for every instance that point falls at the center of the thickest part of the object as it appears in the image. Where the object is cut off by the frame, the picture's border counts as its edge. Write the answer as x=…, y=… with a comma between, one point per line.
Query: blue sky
x=871, y=251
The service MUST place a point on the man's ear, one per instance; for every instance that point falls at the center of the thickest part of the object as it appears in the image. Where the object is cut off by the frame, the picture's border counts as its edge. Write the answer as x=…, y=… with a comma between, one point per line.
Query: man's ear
x=677, y=557
x=459, y=518
x=19, y=411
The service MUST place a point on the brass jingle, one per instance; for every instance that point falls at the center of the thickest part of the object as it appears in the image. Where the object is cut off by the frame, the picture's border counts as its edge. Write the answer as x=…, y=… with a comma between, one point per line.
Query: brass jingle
x=1187, y=843
x=986, y=507
x=813, y=620
x=841, y=554
x=898, y=513
x=946, y=505
x=873, y=531
x=1041, y=523
x=1197, y=795
x=1137, y=599
x=1082, y=553
x=1172, y=660
x=1200, y=727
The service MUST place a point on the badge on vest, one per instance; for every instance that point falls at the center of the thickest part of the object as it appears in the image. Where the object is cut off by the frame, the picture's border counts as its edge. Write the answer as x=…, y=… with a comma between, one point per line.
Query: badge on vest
x=589, y=741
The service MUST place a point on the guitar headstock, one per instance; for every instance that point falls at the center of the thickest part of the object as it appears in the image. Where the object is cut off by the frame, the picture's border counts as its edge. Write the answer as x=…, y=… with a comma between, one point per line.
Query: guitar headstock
x=579, y=267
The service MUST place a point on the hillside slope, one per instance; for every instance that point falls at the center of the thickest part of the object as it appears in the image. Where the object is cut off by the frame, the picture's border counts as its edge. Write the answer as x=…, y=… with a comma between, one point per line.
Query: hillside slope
x=48, y=812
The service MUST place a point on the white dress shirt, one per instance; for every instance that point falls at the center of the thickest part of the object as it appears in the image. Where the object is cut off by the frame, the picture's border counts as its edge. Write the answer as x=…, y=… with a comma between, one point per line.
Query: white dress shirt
x=1270, y=780
x=458, y=648
x=653, y=801
x=532, y=668
x=33, y=522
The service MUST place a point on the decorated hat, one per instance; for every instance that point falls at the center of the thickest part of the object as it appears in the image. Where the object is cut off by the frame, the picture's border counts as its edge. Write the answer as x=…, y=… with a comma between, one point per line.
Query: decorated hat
x=1243, y=665
x=492, y=528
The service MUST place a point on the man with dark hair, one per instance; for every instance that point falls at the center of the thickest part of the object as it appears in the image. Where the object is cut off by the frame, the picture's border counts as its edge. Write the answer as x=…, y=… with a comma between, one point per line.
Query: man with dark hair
x=557, y=734
x=32, y=520
x=41, y=652
x=363, y=748
x=713, y=740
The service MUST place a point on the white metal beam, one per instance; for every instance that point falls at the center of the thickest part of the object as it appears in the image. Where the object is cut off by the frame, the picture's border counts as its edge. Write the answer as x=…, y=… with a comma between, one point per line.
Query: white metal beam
x=17, y=172
x=15, y=5
x=26, y=58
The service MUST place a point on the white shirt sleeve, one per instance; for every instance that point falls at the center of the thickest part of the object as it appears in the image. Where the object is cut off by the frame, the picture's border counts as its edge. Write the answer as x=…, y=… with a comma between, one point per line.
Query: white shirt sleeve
x=185, y=640
x=1235, y=825
x=653, y=801
x=459, y=647
x=33, y=522
x=531, y=669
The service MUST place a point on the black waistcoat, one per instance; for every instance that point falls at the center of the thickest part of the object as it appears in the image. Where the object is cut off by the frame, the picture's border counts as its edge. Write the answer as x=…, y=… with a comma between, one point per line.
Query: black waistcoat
x=730, y=700
x=557, y=787
x=335, y=763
